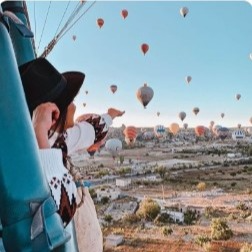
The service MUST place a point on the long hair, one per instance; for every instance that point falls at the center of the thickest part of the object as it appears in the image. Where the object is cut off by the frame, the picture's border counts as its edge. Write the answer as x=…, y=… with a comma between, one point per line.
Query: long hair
x=60, y=124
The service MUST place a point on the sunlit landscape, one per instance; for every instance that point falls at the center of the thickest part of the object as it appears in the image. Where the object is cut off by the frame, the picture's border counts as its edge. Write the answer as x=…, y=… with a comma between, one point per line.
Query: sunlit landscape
x=174, y=172
x=193, y=181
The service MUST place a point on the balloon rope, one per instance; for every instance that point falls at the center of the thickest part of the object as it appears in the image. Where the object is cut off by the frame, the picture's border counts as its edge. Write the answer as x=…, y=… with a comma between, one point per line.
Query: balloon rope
x=62, y=18
x=45, y=23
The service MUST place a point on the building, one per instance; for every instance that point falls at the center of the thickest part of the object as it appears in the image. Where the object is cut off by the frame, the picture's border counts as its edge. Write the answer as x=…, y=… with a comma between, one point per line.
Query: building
x=124, y=183
x=111, y=193
x=177, y=217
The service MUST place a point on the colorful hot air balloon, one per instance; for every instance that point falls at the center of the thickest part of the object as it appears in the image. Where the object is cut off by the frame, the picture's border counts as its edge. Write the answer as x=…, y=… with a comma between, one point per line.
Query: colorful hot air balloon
x=222, y=115
x=174, y=128
x=188, y=79
x=74, y=37
x=158, y=113
x=222, y=133
x=130, y=133
x=184, y=11
x=159, y=131
x=100, y=22
x=238, y=135
x=216, y=128
x=124, y=13
x=144, y=48
x=123, y=127
x=196, y=110
x=211, y=125
x=185, y=126
x=144, y=94
x=148, y=135
x=199, y=130
x=113, y=146
x=238, y=96
x=94, y=148
x=113, y=88
x=182, y=115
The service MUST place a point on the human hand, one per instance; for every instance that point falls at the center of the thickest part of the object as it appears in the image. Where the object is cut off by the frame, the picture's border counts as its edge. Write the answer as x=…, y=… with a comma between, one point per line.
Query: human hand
x=43, y=118
x=115, y=113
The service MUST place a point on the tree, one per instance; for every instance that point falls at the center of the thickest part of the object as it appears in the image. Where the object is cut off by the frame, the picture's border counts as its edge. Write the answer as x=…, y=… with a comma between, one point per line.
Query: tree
x=201, y=186
x=201, y=240
x=93, y=193
x=108, y=218
x=104, y=200
x=246, y=248
x=167, y=231
x=163, y=218
x=161, y=170
x=121, y=158
x=220, y=230
x=190, y=217
x=148, y=209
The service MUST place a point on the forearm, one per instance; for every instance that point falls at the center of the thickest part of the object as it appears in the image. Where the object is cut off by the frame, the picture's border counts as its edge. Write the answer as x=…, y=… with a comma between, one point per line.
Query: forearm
x=101, y=124
x=42, y=138
x=87, y=132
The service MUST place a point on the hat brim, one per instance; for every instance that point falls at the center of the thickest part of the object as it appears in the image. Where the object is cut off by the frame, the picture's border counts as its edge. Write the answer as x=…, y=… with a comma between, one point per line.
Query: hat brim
x=74, y=83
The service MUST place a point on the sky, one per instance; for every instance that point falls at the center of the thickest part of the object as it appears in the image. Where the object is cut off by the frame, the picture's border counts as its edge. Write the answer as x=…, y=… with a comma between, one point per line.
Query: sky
x=211, y=44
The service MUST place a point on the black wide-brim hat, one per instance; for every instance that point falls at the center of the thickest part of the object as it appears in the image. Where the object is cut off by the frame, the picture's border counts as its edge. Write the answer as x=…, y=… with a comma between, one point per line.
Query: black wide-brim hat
x=43, y=83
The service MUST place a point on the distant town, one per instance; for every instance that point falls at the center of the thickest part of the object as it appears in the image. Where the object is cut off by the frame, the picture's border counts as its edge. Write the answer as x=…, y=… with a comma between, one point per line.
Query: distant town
x=173, y=193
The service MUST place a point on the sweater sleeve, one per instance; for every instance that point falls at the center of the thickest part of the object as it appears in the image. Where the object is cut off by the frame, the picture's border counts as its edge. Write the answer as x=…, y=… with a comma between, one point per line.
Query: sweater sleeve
x=101, y=125
x=84, y=134
x=80, y=136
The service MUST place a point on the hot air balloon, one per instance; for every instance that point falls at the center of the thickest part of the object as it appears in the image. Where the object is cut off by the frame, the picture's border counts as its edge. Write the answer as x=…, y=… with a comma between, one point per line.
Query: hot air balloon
x=113, y=146
x=86, y=92
x=123, y=127
x=92, y=149
x=196, y=110
x=174, y=128
x=185, y=126
x=211, y=126
x=84, y=104
x=124, y=13
x=199, y=130
x=100, y=22
x=148, y=135
x=188, y=79
x=113, y=88
x=74, y=37
x=144, y=48
x=250, y=56
x=130, y=133
x=158, y=113
x=144, y=94
x=250, y=120
x=238, y=135
x=182, y=115
x=238, y=96
x=159, y=131
x=184, y=11
x=238, y=125
x=249, y=130
x=215, y=129
x=222, y=133
x=222, y=115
